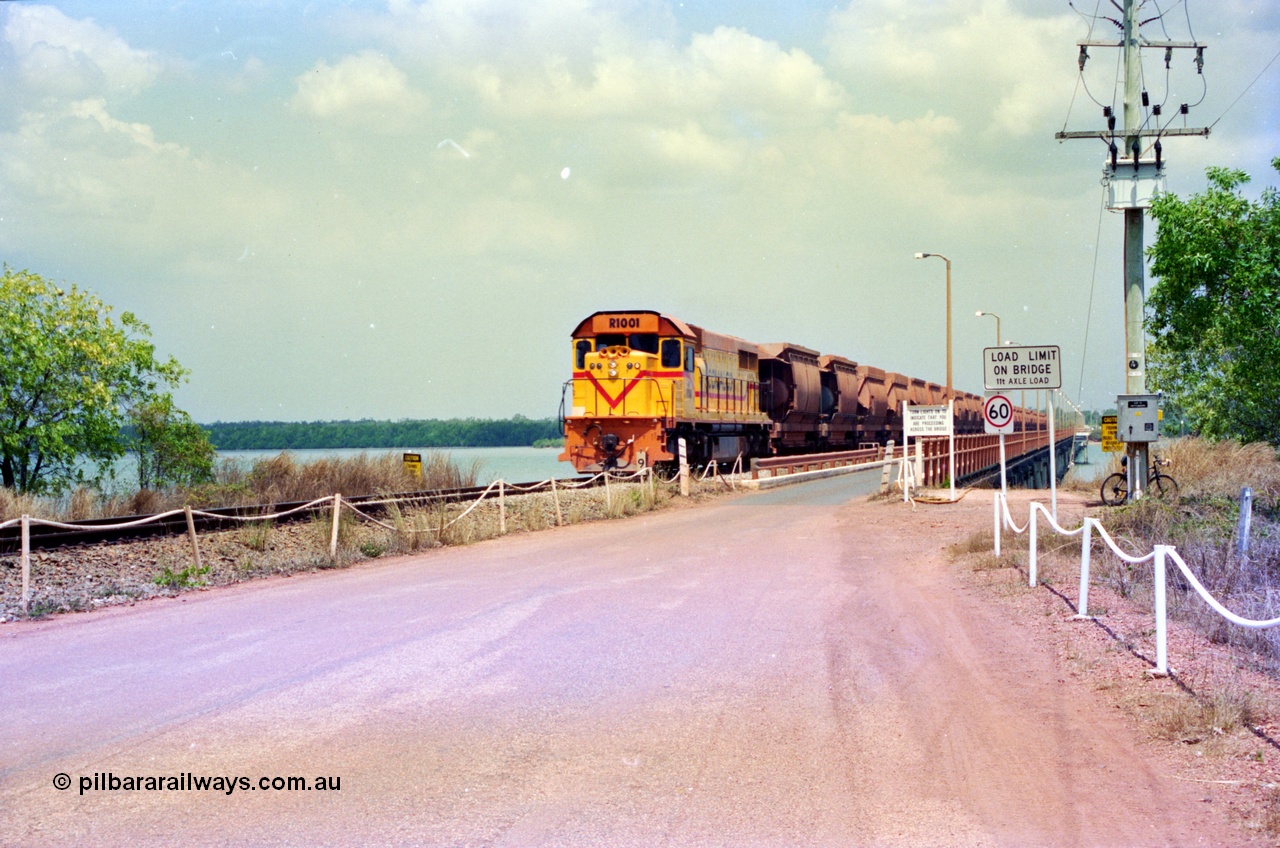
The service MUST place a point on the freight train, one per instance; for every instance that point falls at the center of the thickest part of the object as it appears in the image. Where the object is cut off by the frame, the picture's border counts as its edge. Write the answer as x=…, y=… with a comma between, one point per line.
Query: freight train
x=643, y=380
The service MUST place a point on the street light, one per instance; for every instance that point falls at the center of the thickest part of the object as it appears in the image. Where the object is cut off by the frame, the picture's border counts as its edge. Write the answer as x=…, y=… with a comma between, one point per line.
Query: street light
x=980, y=313
x=950, y=393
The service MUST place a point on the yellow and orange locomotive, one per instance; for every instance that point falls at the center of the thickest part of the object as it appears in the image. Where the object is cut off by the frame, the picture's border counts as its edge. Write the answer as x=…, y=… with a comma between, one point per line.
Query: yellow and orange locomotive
x=642, y=381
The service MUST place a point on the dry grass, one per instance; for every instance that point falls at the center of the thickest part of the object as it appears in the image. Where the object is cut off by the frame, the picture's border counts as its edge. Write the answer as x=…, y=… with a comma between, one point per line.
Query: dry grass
x=1205, y=469
x=277, y=479
x=1202, y=527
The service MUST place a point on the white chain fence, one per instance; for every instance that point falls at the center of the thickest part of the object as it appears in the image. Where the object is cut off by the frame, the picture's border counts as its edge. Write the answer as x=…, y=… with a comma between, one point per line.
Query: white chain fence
x=1159, y=557
x=336, y=504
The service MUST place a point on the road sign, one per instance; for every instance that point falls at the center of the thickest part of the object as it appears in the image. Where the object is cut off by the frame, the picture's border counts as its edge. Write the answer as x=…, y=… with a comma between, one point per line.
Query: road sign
x=928, y=420
x=997, y=414
x=1110, y=444
x=1005, y=368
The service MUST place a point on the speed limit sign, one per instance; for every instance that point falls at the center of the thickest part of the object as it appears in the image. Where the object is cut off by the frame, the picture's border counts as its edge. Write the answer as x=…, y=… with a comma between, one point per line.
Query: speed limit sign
x=997, y=413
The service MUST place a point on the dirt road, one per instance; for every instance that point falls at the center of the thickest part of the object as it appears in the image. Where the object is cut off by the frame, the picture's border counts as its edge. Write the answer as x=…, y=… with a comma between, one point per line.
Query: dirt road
x=782, y=669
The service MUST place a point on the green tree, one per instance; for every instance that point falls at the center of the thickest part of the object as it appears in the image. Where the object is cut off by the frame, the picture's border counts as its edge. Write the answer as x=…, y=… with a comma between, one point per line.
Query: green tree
x=1214, y=317
x=172, y=449
x=68, y=372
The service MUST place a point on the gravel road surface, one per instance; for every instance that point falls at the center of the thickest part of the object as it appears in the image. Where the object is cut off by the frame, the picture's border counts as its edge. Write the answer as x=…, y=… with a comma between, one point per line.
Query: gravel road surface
x=797, y=667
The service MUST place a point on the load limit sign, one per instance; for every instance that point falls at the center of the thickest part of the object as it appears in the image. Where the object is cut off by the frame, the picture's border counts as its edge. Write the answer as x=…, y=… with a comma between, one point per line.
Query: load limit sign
x=997, y=414
x=1022, y=367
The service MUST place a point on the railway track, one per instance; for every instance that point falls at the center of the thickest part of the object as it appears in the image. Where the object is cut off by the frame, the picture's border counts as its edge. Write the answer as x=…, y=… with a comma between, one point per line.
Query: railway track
x=93, y=531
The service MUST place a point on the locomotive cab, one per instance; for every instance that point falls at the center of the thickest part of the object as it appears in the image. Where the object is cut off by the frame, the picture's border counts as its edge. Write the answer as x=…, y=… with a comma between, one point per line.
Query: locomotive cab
x=630, y=375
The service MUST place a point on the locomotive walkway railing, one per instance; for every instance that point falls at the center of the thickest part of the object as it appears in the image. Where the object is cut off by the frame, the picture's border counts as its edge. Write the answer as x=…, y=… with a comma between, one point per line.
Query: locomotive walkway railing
x=1159, y=556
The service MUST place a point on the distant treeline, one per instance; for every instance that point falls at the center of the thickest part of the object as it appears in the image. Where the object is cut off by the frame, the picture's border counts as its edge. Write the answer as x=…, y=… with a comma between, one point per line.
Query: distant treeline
x=452, y=433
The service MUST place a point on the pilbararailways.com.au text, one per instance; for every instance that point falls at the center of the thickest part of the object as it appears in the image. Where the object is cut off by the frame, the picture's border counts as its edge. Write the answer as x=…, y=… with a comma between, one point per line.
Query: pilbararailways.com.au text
x=187, y=782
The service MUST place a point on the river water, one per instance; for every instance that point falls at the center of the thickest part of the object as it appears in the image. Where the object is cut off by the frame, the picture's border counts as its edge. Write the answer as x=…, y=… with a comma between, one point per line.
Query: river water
x=513, y=464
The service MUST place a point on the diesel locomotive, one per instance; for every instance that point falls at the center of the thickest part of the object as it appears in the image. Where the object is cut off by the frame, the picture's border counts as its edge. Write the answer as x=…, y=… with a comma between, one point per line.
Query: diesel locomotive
x=643, y=380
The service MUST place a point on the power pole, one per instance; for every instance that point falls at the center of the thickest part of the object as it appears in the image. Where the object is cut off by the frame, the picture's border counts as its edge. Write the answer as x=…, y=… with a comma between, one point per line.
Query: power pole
x=1132, y=186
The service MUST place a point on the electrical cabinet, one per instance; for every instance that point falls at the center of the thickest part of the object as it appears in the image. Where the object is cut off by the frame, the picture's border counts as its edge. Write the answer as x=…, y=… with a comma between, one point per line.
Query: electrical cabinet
x=1138, y=418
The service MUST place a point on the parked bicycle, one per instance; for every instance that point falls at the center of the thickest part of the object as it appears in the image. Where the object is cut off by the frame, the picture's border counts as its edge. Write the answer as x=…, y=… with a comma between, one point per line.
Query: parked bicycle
x=1115, y=489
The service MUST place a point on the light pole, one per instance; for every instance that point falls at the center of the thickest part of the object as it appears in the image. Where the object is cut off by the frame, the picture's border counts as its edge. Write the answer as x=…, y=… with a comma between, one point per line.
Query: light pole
x=980, y=313
x=950, y=392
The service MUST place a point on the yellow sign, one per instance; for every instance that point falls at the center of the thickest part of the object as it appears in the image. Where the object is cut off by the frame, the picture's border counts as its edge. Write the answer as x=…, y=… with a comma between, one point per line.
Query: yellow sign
x=413, y=463
x=1110, y=444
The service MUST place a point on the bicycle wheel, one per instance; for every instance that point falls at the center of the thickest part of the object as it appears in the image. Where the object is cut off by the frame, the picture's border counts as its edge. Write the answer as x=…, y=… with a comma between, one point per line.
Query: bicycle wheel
x=1115, y=489
x=1164, y=487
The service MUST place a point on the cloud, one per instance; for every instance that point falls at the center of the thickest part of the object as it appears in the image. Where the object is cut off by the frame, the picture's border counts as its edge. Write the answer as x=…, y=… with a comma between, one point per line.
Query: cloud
x=118, y=187
x=356, y=88
x=58, y=53
x=728, y=72
x=995, y=68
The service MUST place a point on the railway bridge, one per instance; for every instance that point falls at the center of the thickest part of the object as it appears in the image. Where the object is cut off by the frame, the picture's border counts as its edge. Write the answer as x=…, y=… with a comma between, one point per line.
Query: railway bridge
x=977, y=459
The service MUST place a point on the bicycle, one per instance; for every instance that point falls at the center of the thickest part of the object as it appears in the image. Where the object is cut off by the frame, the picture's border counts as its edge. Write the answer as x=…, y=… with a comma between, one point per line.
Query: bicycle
x=1115, y=489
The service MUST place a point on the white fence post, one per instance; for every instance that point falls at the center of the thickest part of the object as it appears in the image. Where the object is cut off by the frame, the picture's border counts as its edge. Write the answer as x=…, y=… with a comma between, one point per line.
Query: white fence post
x=191, y=534
x=1162, y=623
x=555, y=497
x=26, y=563
x=1086, y=553
x=995, y=520
x=502, y=507
x=333, y=536
x=1031, y=563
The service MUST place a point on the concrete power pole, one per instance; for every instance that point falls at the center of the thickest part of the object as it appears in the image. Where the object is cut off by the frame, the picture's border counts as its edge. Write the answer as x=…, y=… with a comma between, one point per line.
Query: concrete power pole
x=1135, y=294
x=1132, y=186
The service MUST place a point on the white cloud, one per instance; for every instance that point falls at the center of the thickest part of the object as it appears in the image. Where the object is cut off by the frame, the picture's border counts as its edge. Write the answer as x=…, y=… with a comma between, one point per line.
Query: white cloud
x=691, y=146
x=727, y=73
x=118, y=187
x=55, y=52
x=995, y=68
x=357, y=87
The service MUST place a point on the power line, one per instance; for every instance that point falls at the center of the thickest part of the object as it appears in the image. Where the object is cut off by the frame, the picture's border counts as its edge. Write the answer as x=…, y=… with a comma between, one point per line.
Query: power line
x=1088, y=315
x=1246, y=89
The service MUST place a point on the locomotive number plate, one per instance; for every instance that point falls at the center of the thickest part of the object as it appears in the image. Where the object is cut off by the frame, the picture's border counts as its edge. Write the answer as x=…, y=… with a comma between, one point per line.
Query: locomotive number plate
x=625, y=324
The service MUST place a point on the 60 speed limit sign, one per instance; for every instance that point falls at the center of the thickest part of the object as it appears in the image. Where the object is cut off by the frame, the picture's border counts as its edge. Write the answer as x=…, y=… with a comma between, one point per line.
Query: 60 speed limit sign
x=997, y=413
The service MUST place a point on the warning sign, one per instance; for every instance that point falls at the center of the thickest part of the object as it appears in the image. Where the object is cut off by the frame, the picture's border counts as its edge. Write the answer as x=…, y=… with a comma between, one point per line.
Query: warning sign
x=1110, y=444
x=928, y=420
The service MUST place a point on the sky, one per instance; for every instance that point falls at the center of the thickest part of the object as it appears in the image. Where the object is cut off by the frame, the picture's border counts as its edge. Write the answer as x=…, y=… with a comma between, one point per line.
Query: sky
x=342, y=209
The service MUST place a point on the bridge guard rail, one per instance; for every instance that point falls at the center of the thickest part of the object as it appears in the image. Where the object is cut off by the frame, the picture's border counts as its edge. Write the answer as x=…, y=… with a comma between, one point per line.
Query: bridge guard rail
x=977, y=453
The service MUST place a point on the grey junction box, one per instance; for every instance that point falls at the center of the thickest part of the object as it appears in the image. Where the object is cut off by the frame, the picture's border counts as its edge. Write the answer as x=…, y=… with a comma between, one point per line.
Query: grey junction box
x=1138, y=418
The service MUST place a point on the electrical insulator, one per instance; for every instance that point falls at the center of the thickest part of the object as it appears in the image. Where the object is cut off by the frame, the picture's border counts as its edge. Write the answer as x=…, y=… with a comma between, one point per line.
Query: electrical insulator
x=1199, y=60
x=1159, y=149
x=1146, y=101
x=1084, y=56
